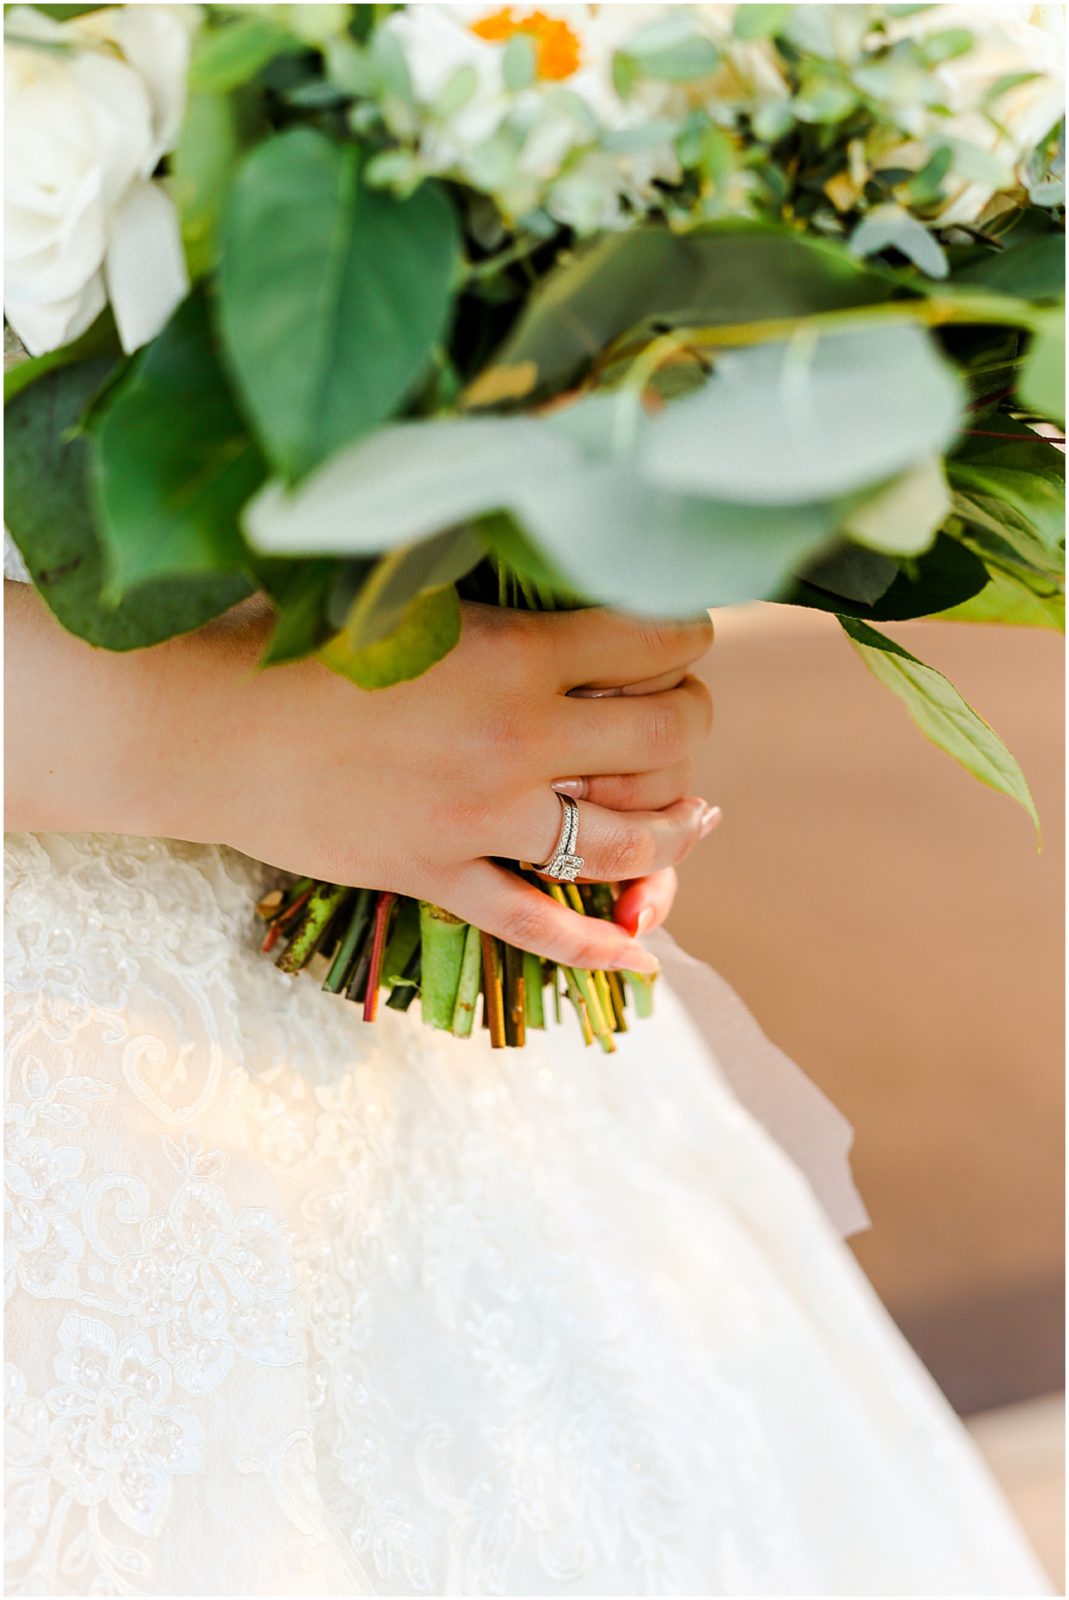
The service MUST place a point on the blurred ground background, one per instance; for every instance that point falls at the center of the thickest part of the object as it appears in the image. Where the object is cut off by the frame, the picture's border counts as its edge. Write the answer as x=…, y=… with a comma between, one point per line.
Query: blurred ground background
x=890, y=924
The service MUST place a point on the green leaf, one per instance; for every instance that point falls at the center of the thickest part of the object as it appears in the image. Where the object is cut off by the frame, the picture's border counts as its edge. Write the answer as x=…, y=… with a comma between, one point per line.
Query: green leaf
x=334, y=295
x=1005, y=599
x=400, y=577
x=1032, y=268
x=511, y=549
x=944, y=46
x=808, y=419
x=759, y=21
x=48, y=511
x=173, y=461
x=941, y=714
x=427, y=630
x=65, y=13
x=850, y=573
x=1014, y=487
x=1042, y=384
x=904, y=516
x=945, y=575
x=300, y=591
x=723, y=273
x=230, y=55
x=101, y=339
x=209, y=145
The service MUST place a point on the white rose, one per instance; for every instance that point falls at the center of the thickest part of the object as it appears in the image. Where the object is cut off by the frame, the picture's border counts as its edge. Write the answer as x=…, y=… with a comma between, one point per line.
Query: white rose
x=91, y=105
x=1007, y=40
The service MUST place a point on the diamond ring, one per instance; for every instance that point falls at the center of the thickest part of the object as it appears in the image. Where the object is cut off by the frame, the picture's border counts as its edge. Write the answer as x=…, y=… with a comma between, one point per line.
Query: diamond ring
x=564, y=864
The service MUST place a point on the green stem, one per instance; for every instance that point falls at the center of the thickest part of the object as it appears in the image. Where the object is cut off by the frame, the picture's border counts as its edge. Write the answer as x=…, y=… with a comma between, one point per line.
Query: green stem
x=575, y=996
x=312, y=925
x=406, y=988
x=641, y=986
x=532, y=991
x=602, y=1026
x=349, y=949
x=471, y=969
x=515, y=1011
x=442, y=938
x=404, y=941
x=618, y=995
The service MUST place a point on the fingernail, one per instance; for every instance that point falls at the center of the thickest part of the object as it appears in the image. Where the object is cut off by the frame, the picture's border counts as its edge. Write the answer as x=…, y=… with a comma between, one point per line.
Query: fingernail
x=645, y=921
x=637, y=960
x=572, y=786
x=710, y=817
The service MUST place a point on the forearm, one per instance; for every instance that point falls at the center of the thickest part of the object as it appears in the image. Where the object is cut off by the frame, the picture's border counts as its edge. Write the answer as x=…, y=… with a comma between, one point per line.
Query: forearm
x=114, y=742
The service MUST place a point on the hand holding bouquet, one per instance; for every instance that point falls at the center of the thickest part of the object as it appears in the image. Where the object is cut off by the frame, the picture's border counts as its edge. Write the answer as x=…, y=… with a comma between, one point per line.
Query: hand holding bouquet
x=651, y=307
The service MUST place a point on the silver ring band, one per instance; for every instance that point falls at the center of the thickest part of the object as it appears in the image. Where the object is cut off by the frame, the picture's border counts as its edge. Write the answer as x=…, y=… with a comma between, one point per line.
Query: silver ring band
x=564, y=864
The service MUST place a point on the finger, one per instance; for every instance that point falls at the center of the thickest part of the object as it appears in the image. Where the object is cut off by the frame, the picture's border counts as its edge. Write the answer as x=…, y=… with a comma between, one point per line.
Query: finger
x=633, y=791
x=512, y=909
x=640, y=733
x=614, y=845
x=664, y=680
x=645, y=904
x=597, y=648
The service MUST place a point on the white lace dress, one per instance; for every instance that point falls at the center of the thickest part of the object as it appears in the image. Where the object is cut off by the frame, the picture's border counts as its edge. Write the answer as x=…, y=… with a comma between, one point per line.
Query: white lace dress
x=302, y=1306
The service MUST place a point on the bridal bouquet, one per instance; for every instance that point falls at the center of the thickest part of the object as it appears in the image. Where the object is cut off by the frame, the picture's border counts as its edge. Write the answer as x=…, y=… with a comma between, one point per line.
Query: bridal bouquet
x=374, y=307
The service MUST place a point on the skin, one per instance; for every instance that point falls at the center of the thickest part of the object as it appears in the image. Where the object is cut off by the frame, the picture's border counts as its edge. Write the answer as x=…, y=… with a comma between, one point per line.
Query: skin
x=412, y=788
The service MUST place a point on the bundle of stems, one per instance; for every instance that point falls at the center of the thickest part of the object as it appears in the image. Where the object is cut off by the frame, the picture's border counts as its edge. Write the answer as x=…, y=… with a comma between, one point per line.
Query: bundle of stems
x=373, y=940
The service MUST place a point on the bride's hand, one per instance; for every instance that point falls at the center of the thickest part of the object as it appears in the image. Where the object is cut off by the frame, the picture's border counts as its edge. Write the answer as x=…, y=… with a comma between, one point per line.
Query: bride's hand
x=412, y=788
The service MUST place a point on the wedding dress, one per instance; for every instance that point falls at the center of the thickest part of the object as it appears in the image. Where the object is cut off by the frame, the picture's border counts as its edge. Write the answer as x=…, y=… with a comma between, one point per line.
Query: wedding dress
x=298, y=1305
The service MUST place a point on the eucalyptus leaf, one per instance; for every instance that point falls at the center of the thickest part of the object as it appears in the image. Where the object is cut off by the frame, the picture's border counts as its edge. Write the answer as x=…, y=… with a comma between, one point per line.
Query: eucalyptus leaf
x=941, y=714
x=173, y=462
x=672, y=49
x=892, y=227
x=519, y=64
x=609, y=534
x=49, y=514
x=404, y=482
x=334, y=295
x=621, y=541
x=808, y=419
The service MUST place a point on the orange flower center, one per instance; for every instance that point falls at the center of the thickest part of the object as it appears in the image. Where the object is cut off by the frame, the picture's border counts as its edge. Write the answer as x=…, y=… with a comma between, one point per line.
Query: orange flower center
x=556, y=46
